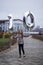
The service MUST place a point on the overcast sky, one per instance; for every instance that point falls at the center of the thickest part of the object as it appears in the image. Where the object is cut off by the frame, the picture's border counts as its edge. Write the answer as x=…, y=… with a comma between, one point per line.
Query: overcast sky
x=18, y=7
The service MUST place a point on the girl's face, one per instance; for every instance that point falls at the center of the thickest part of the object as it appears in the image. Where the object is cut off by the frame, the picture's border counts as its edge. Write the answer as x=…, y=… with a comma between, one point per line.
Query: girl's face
x=20, y=31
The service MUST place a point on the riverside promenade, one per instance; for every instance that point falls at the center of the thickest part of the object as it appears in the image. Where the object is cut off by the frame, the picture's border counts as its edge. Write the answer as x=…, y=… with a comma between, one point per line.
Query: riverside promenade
x=33, y=51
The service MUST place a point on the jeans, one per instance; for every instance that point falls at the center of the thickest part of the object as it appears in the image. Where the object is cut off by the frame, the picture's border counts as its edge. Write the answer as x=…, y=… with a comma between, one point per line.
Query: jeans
x=21, y=47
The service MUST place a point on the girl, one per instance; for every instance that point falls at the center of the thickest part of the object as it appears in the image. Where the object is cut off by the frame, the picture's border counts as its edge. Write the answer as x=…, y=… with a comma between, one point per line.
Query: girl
x=20, y=41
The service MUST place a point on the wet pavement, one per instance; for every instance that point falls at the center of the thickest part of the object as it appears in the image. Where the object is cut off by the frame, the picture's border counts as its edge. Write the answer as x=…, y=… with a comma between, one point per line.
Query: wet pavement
x=33, y=51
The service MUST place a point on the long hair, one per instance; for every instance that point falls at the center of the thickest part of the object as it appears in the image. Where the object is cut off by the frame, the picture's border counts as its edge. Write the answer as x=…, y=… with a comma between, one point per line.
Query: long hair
x=20, y=32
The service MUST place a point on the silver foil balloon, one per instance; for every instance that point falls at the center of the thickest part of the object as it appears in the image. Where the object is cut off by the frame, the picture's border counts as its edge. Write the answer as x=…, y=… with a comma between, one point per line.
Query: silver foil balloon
x=30, y=25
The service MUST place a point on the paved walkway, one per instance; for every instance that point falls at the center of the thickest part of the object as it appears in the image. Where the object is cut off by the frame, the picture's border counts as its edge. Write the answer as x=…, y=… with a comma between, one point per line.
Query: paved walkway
x=33, y=51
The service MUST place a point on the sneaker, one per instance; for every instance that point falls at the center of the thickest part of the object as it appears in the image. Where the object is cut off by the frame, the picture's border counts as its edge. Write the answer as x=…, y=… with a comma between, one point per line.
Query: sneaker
x=19, y=56
x=23, y=55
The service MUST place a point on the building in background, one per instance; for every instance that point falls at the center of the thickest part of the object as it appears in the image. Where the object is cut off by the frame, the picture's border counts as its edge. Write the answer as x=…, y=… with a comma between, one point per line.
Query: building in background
x=17, y=24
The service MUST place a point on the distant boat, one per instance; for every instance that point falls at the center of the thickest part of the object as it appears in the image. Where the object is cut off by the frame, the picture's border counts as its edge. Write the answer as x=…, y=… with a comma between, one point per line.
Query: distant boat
x=41, y=29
